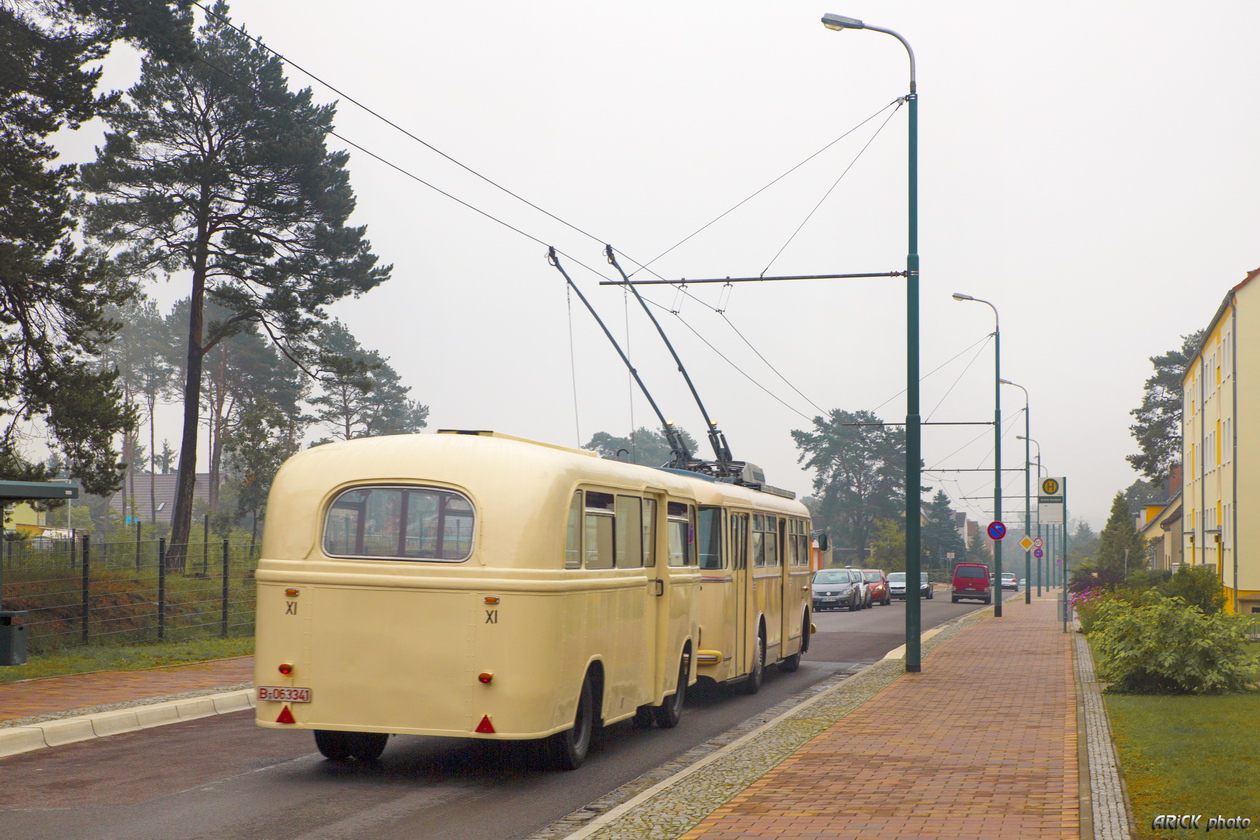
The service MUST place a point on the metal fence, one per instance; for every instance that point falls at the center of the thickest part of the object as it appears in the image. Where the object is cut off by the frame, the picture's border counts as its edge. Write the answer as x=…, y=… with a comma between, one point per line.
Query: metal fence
x=76, y=592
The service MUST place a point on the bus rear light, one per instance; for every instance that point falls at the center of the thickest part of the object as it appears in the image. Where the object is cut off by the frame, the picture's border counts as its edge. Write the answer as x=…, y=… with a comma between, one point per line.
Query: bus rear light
x=485, y=677
x=485, y=727
x=286, y=716
x=286, y=668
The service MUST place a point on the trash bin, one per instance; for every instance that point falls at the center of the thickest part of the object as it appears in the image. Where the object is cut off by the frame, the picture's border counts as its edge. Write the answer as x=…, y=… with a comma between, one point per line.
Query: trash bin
x=12, y=638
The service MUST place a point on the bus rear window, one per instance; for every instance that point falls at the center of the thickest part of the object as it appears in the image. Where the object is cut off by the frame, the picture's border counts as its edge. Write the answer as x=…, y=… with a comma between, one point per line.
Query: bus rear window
x=399, y=523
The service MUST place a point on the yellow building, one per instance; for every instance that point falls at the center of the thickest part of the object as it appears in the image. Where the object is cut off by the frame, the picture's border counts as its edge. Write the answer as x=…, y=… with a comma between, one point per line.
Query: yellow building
x=1161, y=527
x=1221, y=449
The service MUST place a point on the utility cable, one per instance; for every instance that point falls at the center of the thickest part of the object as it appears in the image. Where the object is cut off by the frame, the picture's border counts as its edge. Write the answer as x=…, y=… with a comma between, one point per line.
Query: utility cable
x=723, y=215
x=951, y=388
x=829, y=191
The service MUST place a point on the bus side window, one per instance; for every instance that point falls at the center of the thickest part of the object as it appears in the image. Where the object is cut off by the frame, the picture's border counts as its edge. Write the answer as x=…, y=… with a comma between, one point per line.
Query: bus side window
x=629, y=534
x=573, y=534
x=739, y=540
x=710, y=538
x=772, y=540
x=682, y=543
x=758, y=539
x=600, y=522
x=800, y=541
x=649, y=533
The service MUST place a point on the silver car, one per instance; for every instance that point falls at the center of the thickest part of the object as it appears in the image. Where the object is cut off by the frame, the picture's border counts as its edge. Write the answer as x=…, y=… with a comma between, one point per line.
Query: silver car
x=833, y=589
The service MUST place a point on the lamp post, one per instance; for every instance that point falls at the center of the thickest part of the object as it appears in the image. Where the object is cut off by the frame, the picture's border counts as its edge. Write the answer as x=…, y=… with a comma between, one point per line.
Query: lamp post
x=913, y=425
x=997, y=446
x=1027, y=439
x=1027, y=494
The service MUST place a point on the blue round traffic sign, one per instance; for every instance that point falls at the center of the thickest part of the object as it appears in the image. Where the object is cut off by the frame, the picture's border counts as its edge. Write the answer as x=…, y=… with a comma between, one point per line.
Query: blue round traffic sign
x=1039, y=554
x=996, y=530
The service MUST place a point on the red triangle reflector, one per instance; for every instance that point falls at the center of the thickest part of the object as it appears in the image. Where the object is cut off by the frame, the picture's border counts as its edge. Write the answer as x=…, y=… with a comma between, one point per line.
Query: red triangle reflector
x=285, y=716
x=485, y=727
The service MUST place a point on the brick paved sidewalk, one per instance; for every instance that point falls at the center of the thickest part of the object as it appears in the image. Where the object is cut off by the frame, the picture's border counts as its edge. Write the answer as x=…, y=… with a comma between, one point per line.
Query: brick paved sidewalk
x=982, y=743
x=59, y=695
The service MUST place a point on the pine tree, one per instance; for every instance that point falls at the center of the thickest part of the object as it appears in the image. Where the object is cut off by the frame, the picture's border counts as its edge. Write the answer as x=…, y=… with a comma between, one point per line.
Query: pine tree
x=360, y=394
x=859, y=473
x=53, y=295
x=216, y=168
x=939, y=536
x=1118, y=536
x=1158, y=427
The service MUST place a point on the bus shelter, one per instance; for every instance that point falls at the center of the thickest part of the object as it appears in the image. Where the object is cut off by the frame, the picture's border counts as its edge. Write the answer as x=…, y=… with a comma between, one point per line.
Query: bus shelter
x=12, y=631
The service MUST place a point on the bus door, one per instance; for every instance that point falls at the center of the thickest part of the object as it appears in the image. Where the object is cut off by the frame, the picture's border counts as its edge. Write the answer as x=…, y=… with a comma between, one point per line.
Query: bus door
x=719, y=593
x=669, y=538
x=788, y=546
x=745, y=612
x=768, y=573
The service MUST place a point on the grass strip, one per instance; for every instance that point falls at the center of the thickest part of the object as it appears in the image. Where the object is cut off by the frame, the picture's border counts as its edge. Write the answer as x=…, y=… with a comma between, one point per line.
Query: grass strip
x=92, y=658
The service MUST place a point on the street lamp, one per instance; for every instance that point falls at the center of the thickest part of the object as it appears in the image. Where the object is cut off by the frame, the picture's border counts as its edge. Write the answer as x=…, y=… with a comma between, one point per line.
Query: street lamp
x=997, y=446
x=1038, y=445
x=1027, y=494
x=913, y=426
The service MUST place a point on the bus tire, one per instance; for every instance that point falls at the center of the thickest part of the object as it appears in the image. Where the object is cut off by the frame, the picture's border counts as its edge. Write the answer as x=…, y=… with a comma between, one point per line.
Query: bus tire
x=343, y=746
x=334, y=746
x=568, y=749
x=367, y=746
x=753, y=683
x=670, y=711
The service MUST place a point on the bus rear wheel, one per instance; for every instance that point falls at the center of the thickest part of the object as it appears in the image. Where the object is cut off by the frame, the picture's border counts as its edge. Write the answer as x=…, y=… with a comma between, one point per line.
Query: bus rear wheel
x=343, y=746
x=670, y=712
x=568, y=749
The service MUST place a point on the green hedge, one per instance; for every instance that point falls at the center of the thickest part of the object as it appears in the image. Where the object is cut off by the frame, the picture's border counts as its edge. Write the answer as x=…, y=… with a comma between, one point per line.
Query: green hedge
x=1166, y=646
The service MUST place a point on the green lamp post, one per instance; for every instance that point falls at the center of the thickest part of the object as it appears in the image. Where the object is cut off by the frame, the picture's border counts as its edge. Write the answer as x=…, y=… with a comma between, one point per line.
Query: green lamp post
x=997, y=447
x=913, y=425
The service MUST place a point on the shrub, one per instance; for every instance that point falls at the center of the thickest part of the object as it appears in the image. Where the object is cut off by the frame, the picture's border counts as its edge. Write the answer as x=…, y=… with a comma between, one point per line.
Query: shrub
x=1196, y=585
x=1166, y=646
x=1086, y=604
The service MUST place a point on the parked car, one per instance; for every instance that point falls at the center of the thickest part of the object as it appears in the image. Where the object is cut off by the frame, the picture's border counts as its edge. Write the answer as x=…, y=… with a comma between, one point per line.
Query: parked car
x=878, y=582
x=1009, y=581
x=972, y=580
x=836, y=588
x=925, y=586
x=897, y=584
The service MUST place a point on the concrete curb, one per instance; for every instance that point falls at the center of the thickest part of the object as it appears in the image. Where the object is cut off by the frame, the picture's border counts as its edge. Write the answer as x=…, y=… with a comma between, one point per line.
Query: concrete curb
x=55, y=733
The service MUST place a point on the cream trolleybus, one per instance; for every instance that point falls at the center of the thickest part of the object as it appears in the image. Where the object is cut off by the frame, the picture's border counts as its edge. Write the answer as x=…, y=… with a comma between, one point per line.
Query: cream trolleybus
x=476, y=585
x=754, y=610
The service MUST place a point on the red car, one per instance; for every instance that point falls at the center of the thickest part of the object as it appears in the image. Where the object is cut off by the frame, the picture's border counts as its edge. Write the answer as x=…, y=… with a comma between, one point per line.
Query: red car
x=878, y=581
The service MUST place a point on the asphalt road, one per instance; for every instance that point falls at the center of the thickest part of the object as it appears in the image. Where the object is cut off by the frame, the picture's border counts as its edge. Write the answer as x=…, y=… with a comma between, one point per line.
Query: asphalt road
x=224, y=778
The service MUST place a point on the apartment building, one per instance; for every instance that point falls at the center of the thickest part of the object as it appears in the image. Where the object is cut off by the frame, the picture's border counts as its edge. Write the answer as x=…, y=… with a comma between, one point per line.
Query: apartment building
x=1221, y=449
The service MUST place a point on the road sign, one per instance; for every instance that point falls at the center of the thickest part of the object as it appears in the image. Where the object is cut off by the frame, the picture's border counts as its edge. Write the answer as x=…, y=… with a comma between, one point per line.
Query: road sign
x=996, y=530
x=1050, y=502
x=1038, y=543
x=1058, y=561
x=1039, y=554
x=1025, y=543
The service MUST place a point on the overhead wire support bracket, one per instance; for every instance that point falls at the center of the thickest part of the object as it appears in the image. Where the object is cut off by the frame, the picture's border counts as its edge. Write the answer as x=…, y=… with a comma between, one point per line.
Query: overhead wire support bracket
x=681, y=457
x=686, y=282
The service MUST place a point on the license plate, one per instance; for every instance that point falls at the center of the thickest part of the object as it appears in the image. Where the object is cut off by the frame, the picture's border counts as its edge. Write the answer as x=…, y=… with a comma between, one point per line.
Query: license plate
x=284, y=695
